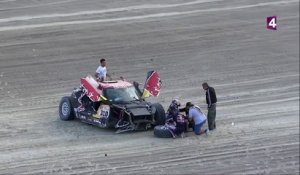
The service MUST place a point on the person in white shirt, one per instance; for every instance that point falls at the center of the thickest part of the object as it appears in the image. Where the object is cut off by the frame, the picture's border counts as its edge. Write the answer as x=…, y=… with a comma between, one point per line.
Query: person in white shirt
x=101, y=72
x=198, y=117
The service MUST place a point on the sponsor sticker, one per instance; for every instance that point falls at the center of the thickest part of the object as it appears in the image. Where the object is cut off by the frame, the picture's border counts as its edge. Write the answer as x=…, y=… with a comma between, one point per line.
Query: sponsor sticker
x=103, y=111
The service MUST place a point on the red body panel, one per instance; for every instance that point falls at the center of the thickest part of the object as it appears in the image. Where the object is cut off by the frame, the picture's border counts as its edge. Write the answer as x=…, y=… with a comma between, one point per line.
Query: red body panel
x=153, y=84
x=91, y=89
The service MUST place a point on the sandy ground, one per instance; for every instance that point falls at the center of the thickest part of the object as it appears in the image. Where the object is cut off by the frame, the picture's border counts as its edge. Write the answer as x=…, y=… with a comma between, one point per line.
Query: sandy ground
x=47, y=45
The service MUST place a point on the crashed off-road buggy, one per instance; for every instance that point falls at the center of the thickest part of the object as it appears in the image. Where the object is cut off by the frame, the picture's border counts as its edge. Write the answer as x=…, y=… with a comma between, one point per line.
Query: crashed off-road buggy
x=115, y=104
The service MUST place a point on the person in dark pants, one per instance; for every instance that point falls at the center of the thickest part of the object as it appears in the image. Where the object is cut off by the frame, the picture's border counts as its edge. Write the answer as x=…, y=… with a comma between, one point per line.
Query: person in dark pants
x=211, y=100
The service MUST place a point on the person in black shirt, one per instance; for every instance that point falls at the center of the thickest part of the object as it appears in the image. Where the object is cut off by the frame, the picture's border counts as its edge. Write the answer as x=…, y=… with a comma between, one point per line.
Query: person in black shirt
x=211, y=100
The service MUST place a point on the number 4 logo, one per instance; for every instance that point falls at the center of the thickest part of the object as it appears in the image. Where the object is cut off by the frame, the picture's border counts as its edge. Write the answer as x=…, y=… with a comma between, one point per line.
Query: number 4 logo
x=272, y=23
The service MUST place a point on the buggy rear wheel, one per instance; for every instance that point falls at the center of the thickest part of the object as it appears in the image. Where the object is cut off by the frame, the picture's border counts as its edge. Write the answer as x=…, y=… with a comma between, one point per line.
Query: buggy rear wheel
x=65, y=109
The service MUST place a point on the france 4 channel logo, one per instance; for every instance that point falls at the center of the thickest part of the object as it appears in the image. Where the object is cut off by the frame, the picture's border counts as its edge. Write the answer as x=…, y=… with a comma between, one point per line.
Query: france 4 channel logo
x=272, y=23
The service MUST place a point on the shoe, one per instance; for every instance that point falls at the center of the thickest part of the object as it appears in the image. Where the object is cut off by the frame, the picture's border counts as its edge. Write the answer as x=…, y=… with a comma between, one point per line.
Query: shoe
x=206, y=132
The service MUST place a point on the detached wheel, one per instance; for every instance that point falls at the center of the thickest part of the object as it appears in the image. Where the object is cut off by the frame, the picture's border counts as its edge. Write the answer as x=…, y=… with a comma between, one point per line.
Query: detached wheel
x=65, y=109
x=162, y=131
x=160, y=114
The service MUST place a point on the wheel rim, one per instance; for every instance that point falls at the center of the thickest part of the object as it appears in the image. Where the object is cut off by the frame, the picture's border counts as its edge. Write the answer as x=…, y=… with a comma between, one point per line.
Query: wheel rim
x=65, y=108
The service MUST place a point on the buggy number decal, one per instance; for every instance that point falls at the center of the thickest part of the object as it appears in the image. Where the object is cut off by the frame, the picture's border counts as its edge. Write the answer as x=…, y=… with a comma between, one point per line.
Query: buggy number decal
x=103, y=111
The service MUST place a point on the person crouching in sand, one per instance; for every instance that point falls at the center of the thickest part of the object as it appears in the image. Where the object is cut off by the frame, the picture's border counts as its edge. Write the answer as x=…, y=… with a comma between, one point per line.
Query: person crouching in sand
x=198, y=117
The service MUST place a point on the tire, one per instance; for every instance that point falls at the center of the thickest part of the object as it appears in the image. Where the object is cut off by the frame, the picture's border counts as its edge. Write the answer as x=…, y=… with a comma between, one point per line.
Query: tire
x=162, y=132
x=160, y=114
x=65, y=109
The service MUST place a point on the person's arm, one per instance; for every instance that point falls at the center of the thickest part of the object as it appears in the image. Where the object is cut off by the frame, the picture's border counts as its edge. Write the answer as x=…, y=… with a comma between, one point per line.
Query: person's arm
x=182, y=110
x=190, y=116
x=96, y=75
x=209, y=97
x=214, y=95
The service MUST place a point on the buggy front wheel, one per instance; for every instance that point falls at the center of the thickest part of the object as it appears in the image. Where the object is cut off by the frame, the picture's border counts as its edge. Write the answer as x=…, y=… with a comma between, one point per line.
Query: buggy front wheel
x=65, y=109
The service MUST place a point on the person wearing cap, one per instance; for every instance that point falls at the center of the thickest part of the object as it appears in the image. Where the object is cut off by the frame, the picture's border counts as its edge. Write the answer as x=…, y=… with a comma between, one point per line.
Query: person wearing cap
x=101, y=72
x=197, y=116
x=211, y=100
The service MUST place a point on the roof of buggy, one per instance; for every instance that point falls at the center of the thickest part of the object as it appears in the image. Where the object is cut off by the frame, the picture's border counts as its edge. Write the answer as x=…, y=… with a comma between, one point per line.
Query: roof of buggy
x=115, y=84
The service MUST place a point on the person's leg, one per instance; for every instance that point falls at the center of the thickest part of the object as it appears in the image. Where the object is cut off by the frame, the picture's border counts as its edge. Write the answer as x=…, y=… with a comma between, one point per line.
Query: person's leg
x=215, y=127
x=210, y=119
x=198, y=130
x=190, y=125
x=186, y=125
x=213, y=116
